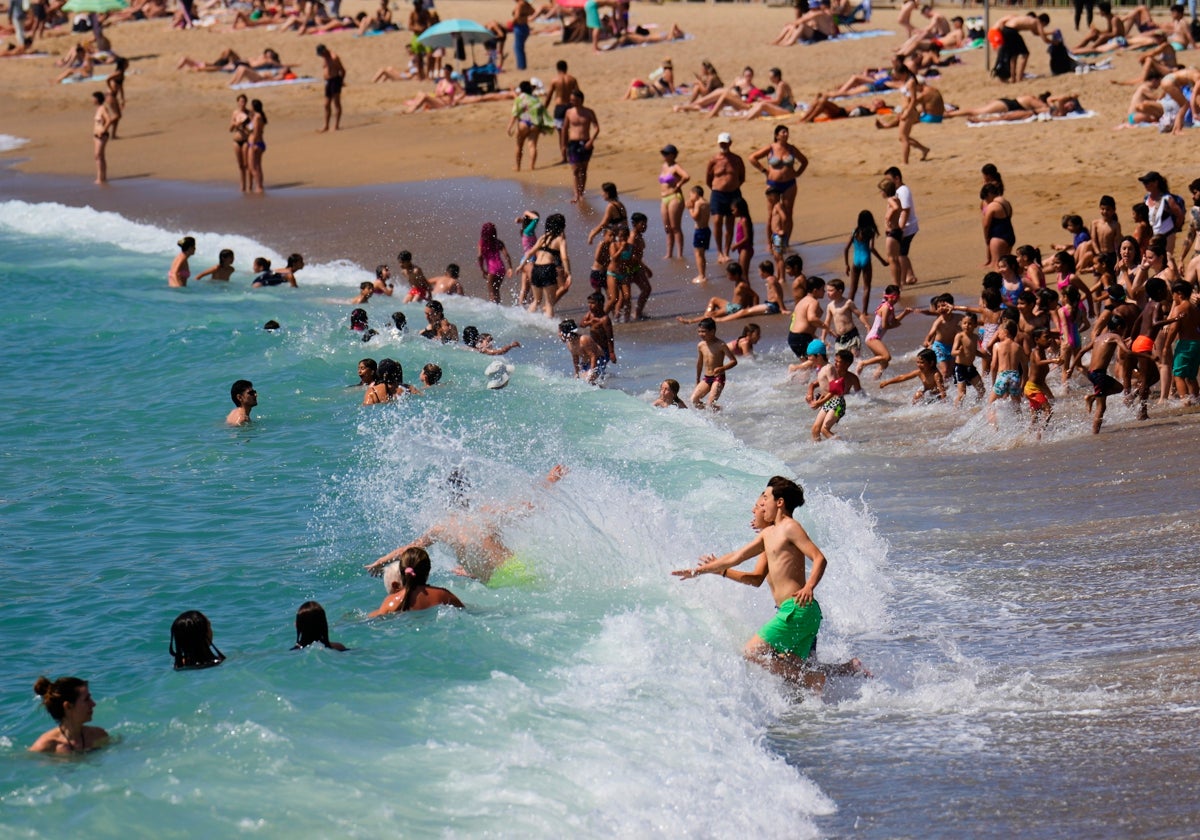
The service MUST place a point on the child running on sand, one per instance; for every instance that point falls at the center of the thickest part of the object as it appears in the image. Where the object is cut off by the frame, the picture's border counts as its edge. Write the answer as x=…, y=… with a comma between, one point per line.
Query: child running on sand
x=713, y=359
x=885, y=319
x=931, y=378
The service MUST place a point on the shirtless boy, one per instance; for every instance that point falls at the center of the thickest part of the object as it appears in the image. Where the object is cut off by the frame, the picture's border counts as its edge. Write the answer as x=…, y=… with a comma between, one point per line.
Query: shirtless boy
x=419, y=288
x=839, y=318
x=1105, y=232
x=600, y=327
x=587, y=357
x=785, y=644
x=942, y=333
x=1036, y=390
x=1008, y=364
x=807, y=318
x=245, y=398
x=1184, y=320
x=713, y=359
x=964, y=350
x=698, y=209
x=1103, y=348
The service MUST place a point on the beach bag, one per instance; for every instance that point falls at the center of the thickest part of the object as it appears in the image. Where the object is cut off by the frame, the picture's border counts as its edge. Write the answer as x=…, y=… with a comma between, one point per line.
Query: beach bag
x=1060, y=59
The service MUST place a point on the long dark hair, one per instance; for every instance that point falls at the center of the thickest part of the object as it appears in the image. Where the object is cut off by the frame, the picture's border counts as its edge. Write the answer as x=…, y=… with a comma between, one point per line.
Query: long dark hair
x=311, y=625
x=191, y=644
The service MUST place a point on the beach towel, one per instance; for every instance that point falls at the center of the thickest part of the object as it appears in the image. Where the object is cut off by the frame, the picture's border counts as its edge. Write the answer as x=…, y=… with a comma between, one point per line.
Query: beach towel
x=70, y=80
x=1079, y=115
x=299, y=80
x=861, y=34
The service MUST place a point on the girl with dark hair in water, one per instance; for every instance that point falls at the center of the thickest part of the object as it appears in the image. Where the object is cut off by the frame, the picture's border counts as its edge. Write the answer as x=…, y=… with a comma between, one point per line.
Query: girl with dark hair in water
x=192, y=642
x=312, y=626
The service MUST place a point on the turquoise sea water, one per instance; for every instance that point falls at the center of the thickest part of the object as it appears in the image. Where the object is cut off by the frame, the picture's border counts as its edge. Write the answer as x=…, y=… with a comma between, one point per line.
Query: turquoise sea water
x=1033, y=648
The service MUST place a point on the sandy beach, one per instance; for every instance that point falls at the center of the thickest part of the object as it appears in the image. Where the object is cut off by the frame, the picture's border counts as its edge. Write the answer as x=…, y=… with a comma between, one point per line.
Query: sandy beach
x=174, y=129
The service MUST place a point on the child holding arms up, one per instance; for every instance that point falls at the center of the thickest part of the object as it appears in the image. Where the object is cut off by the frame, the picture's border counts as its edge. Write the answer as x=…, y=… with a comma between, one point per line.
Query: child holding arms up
x=927, y=372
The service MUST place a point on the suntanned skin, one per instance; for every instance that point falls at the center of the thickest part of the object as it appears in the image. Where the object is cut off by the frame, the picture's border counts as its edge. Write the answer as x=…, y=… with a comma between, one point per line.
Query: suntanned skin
x=782, y=547
x=473, y=536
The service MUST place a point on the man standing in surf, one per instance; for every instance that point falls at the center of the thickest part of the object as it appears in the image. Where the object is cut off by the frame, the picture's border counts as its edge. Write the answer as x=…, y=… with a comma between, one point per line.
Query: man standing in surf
x=784, y=645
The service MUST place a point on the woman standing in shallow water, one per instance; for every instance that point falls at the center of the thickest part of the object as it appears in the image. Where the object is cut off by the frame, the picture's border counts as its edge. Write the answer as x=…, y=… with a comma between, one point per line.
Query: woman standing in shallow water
x=239, y=126
x=179, y=273
x=70, y=703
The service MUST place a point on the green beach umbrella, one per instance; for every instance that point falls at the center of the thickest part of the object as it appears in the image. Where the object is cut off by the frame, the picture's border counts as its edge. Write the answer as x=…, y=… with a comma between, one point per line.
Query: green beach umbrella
x=95, y=8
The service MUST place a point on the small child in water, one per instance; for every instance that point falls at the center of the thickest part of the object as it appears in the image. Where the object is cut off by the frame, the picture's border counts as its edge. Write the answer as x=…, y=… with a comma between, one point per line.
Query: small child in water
x=223, y=270
x=927, y=371
x=713, y=359
x=668, y=395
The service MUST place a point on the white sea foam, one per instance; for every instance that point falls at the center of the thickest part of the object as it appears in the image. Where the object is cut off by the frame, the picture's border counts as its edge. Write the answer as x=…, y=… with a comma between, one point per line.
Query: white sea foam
x=8, y=142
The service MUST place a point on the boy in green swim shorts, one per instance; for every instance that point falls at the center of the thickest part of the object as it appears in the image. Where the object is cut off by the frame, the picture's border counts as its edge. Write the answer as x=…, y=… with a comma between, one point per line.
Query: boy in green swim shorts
x=785, y=644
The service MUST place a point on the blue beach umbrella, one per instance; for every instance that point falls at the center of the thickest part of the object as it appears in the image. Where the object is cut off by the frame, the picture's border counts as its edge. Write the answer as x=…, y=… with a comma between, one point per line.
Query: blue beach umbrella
x=455, y=33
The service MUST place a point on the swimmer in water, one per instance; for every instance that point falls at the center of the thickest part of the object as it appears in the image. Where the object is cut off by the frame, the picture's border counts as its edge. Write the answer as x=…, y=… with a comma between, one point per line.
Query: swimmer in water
x=473, y=536
x=70, y=703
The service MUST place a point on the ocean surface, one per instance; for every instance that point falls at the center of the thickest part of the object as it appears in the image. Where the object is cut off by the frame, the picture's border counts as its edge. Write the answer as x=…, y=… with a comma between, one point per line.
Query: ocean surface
x=1029, y=608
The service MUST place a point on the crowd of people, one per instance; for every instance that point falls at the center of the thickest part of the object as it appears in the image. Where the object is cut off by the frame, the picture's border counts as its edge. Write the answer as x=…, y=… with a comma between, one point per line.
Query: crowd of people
x=1118, y=311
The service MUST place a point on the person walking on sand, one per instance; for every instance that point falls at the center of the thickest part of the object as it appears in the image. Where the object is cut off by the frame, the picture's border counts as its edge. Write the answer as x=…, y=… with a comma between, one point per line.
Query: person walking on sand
x=908, y=226
x=725, y=175
x=558, y=99
x=784, y=645
x=101, y=124
x=256, y=146
x=582, y=127
x=334, y=74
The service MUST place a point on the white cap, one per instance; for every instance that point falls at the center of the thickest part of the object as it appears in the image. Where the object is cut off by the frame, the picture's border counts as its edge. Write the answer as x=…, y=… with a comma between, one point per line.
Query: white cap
x=724, y=137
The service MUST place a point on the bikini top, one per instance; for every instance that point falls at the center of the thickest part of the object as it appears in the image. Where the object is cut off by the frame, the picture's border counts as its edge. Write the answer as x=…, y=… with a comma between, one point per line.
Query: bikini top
x=666, y=179
x=780, y=162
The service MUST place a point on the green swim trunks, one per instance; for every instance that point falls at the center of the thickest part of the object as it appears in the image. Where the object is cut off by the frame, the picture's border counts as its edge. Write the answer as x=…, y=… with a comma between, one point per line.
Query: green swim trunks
x=1187, y=359
x=513, y=572
x=793, y=629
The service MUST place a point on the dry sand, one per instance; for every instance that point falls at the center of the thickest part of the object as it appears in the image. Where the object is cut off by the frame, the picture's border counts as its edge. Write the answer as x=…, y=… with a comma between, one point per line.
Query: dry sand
x=175, y=126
